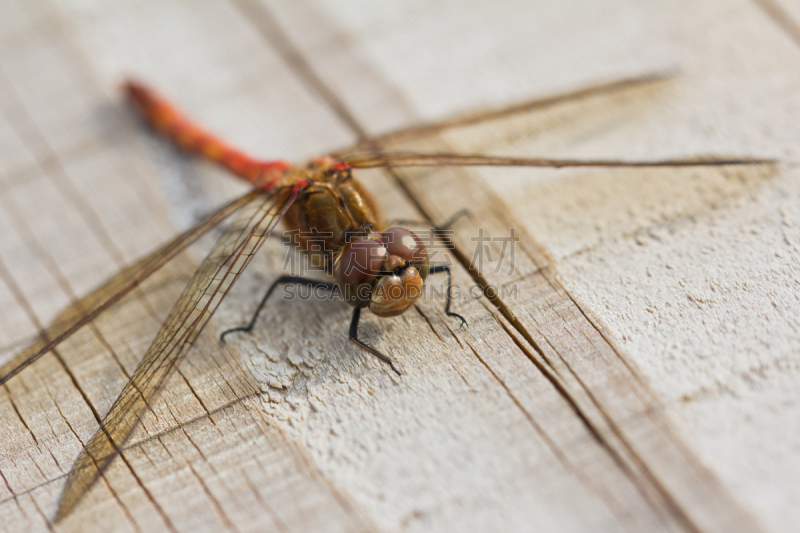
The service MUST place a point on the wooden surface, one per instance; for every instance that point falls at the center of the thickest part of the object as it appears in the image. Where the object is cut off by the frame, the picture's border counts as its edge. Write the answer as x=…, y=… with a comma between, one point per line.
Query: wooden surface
x=640, y=372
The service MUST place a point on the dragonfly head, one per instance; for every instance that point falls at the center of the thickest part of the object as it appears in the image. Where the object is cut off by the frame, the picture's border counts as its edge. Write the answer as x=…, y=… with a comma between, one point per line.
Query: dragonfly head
x=386, y=272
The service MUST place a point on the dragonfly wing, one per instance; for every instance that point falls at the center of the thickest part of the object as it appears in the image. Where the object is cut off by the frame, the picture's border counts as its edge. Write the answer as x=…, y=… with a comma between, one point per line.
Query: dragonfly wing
x=421, y=131
x=376, y=160
x=122, y=283
x=212, y=280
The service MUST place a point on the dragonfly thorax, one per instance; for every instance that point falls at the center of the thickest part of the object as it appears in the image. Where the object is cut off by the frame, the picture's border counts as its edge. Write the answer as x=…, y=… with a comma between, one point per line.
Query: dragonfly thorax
x=337, y=219
x=331, y=211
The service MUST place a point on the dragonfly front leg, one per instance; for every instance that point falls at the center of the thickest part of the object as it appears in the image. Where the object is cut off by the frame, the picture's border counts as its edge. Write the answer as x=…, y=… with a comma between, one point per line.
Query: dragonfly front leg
x=354, y=337
x=280, y=281
x=445, y=268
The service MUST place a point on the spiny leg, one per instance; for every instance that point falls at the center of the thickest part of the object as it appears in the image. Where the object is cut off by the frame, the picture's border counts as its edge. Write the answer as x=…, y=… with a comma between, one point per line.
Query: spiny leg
x=354, y=337
x=280, y=281
x=445, y=268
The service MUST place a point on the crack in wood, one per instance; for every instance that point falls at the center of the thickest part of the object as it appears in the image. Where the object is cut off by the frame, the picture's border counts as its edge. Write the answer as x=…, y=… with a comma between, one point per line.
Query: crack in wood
x=303, y=68
x=214, y=502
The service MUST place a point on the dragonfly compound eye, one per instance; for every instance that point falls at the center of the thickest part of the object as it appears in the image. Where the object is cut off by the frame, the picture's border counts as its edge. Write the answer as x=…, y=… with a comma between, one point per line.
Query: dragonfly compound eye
x=407, y=245
x=360, y=264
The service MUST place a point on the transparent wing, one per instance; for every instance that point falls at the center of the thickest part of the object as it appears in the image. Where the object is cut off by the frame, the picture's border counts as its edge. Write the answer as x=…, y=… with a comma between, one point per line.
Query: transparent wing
x=212, y=280
x=88, y=307
x=375, y=160
x=487, y=115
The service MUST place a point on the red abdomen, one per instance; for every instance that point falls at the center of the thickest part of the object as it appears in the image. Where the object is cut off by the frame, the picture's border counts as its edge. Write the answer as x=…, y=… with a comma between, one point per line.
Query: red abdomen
x=172, y=123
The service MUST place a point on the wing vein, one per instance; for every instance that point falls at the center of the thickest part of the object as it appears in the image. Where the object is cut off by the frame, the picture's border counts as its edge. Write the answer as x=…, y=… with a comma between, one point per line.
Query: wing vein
x=199, y=300
x=66, y=324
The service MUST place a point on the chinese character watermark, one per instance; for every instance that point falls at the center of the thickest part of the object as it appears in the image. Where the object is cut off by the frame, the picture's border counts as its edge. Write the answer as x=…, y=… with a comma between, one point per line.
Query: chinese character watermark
x=483, y=251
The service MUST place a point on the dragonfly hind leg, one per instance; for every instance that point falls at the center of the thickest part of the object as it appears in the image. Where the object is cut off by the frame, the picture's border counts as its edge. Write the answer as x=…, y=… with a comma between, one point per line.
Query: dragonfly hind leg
x=280, y=281
x=445, y=268
x=354, y=337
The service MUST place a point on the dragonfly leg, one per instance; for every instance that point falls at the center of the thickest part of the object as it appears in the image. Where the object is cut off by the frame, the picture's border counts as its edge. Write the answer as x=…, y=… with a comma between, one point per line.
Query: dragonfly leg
x=445, y=268
x=280, y=281
x=354, y=337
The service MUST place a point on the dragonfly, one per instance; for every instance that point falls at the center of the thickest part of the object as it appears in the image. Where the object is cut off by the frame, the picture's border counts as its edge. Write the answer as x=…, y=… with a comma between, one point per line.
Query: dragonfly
x=372, y=266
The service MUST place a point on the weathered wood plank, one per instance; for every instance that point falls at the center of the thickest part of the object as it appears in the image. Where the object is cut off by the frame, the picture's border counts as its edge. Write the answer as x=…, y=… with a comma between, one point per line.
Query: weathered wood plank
x=61, y=408
x=688, y=277
x=658, y=142
x=532, y=416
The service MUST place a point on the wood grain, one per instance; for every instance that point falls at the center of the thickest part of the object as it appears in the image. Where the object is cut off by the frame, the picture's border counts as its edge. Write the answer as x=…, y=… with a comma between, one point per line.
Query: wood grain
x=588, y=396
